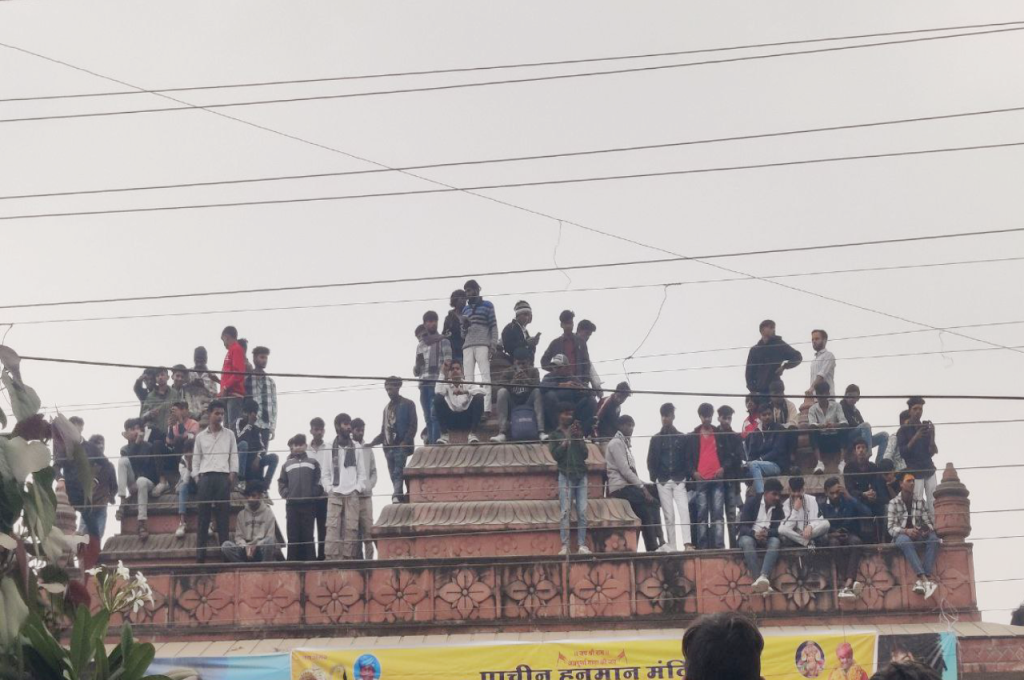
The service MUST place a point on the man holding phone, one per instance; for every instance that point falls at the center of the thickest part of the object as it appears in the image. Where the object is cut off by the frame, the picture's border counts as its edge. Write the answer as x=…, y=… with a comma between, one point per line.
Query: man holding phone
x=844, y=514
x=570, y=452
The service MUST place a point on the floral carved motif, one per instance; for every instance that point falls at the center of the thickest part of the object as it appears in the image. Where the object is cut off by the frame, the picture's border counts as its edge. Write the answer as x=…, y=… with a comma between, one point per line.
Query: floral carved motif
x=465, y=593
x=530, y=591
x=203, y=600
x=730, y=585
x=336, y=595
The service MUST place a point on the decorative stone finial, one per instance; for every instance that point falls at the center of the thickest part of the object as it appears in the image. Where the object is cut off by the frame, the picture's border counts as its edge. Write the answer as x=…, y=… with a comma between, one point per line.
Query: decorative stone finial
x=952, y=508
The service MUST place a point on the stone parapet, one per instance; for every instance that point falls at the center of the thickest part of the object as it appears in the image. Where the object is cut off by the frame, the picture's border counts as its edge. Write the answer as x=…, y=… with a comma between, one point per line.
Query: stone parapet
x=391, y=597
x=498, y=528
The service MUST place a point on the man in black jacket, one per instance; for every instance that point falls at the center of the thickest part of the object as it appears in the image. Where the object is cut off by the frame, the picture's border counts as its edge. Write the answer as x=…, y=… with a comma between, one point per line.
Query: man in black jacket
x=730, y=452
x=398, y=435
x=572, y=346
x=759, y=530
x=670, y=464
x=768, y=359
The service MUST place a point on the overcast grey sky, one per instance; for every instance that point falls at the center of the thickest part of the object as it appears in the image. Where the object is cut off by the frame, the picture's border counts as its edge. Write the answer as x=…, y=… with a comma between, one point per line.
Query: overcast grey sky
x=190, y=43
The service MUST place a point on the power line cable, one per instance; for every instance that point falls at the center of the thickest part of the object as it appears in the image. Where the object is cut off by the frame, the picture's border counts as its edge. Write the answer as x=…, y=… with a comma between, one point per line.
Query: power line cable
x=515, y=185
x=516, y=159
x=535, y=64
x=510, y=81
x=536, y=270
x=508, y=204
x=638, y=286
x=385, y=378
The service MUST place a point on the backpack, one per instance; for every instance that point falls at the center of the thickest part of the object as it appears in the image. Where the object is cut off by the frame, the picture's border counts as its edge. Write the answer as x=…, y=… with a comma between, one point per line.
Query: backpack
x=523, y=424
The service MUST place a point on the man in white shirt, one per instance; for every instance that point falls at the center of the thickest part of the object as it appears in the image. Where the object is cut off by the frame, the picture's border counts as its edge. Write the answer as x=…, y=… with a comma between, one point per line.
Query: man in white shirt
x=320, y=451
x=828, y=425
x=344, y=479
x=802, y=522
x=823, y=365
x=215, y=467
x=366, y=496
x=458, y=406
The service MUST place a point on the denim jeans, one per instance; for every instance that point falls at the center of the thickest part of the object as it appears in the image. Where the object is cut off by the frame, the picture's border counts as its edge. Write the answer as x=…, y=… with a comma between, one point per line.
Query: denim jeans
x=749, y=546
x=931, y=550
x=709, y=496
x=863, y=431
x=267, y=465
x=94, y=521
x=758, y=470
x=568, y=491
x=429, y=417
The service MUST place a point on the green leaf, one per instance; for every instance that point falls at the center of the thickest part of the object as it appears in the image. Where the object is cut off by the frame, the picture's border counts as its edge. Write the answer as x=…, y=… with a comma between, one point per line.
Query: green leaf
x=13, y=611
x=138, y=661
x=10, y=502
x=102, y=670
x=40, y=503
x=47, y=650
x=22, y=458
x=81, y=462
x=81, y=640
x=24, y=401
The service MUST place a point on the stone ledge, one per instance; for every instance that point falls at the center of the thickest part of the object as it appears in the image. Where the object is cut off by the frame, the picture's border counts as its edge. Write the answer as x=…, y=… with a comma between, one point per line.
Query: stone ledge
x=410, y=518
x=443, y=460
x=569, y=593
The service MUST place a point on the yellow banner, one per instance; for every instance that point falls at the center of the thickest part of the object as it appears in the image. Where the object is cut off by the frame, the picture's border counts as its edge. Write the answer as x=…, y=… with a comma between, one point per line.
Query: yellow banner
x=826, y=656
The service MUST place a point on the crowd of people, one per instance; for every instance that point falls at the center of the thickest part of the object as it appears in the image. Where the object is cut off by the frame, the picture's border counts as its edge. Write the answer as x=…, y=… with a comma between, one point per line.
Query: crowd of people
x=205, y=434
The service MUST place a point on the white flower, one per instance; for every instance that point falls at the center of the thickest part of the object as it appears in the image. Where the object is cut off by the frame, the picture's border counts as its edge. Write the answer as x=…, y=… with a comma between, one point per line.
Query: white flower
x=122, y=571
x=93, y=571
x=19, y=458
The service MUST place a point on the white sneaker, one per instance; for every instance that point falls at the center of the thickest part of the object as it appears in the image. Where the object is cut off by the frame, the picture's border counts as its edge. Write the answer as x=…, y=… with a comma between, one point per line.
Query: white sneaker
x=443, y=440
x=919, y=587
x=159, y=490
x=857, y=588
x=665, y=548
x=473, y=439
x=499, y=439
x=819, y=469
x=842, y=466
x=929, y=588
x=180, y=532
x=544, y=436
x=564, y=550
x=584, y=550
x=761, y=585
x=846, y=594
x=769, y=592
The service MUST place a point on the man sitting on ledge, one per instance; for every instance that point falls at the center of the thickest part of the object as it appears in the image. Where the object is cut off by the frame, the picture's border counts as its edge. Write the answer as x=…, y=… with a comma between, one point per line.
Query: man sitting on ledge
x=759, y=530
x=254, y=530
x=458, y=406
x=624, y=483
x=522, y=392
x=910, y=522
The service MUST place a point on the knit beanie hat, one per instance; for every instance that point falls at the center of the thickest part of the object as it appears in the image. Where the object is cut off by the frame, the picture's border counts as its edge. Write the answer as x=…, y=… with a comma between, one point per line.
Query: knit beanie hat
x=522, y=306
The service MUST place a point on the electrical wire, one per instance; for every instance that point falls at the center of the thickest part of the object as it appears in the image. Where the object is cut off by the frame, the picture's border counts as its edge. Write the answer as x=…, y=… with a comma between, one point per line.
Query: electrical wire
x=516, y=159
x=382, y=379
x=639, y=286
x=467, y=69
x=536, y=270
x=510, y=81
x=509, y=204
x=512, y=185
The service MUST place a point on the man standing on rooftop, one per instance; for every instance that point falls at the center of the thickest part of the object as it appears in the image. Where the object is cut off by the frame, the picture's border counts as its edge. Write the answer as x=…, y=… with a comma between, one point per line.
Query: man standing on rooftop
x=232, y=381
x=823, y=365
x=481, y=339
x=769, y=359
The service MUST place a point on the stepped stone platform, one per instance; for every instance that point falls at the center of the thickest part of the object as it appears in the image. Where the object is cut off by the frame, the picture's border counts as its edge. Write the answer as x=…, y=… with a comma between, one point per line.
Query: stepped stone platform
x=490, y=499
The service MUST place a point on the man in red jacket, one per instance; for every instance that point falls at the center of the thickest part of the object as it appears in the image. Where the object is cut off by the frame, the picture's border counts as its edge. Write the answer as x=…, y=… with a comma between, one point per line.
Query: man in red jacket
x=232, y=382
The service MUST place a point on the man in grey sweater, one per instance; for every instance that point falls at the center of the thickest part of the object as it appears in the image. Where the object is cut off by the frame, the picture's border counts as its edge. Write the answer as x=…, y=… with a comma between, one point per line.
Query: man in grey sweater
x=255, y=530
x=624, y=483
